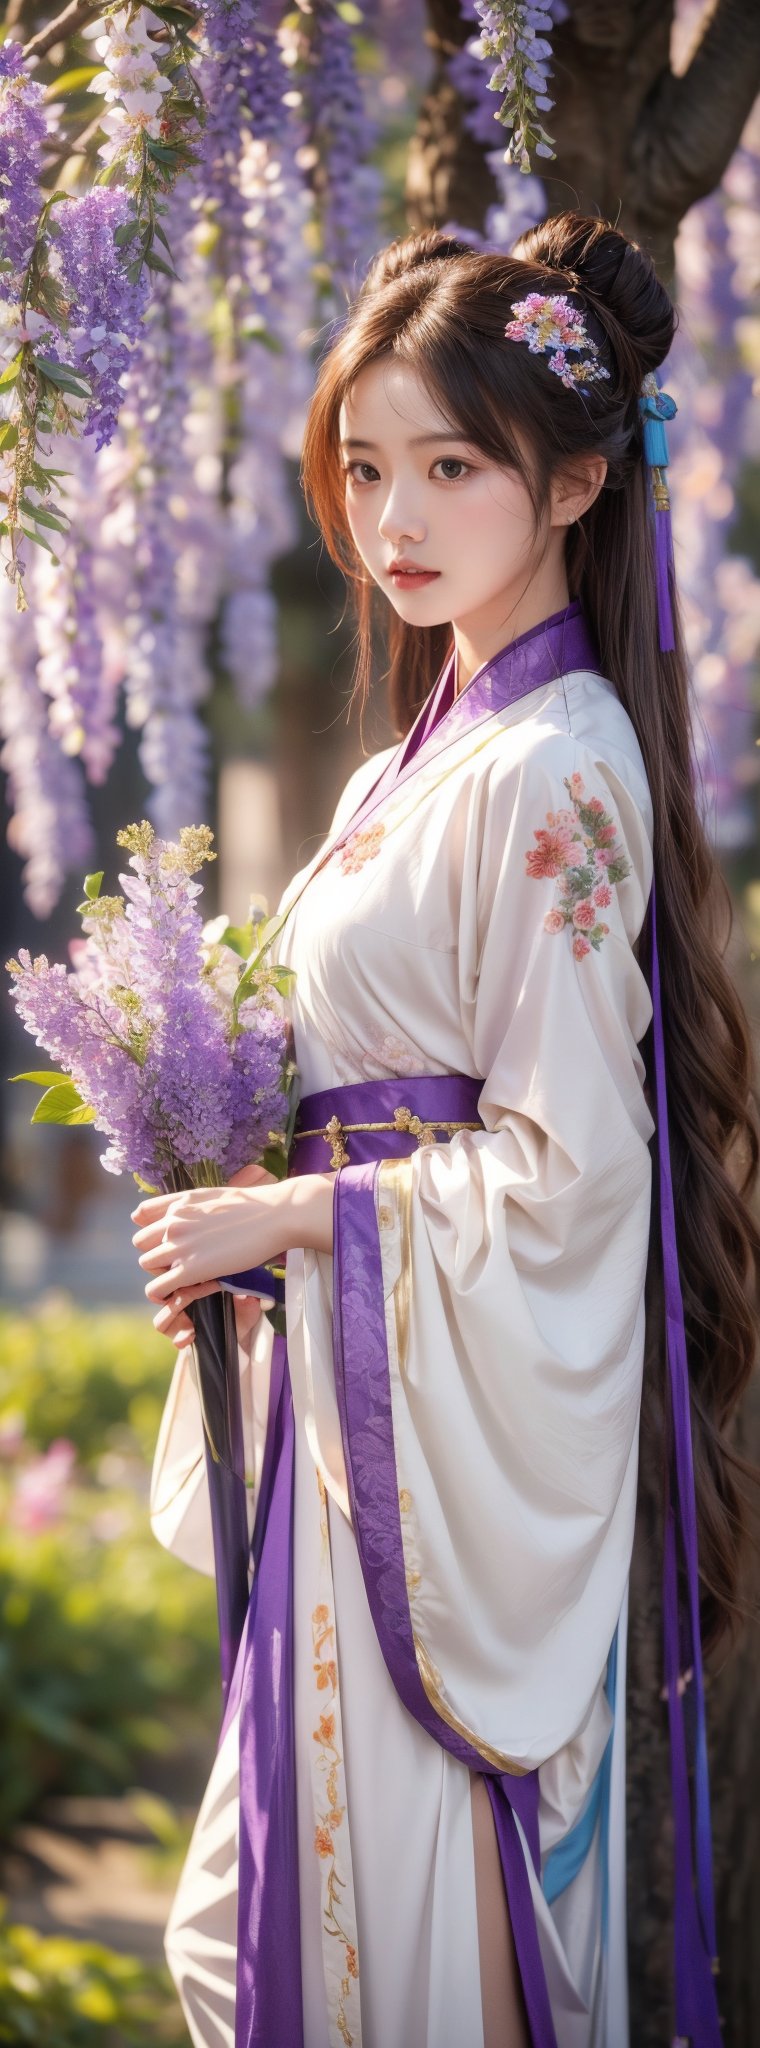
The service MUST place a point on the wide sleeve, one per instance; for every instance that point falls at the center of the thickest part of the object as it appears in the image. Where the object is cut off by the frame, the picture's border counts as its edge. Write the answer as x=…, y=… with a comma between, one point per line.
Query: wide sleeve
x=513, y=1263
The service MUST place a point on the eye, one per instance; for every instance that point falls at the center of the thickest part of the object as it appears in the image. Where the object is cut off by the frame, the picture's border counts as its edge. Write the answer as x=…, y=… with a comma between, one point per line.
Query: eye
x=452, y=462
x=444, y=462
x=351, y=466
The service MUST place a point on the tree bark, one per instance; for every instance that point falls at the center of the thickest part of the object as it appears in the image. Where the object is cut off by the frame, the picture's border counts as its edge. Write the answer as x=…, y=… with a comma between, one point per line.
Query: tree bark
x=633, y=142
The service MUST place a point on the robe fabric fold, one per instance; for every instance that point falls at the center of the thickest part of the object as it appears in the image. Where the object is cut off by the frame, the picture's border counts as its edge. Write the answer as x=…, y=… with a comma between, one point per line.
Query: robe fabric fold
x=453, y=1421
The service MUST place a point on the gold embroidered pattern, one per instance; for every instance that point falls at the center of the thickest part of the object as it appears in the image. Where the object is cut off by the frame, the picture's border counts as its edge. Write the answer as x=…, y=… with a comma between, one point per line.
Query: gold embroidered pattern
x=330, y=1820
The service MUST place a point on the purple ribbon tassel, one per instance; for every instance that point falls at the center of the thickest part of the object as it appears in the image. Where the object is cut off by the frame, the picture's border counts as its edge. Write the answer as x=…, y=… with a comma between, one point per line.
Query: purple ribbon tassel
x=694, y=1917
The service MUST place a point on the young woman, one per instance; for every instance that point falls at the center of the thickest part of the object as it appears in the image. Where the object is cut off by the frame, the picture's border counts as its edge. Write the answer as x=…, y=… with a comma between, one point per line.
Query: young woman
x=413, y=1835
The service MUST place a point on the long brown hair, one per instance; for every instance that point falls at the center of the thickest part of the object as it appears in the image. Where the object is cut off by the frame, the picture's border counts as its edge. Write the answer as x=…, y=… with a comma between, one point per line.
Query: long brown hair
x=433, y=303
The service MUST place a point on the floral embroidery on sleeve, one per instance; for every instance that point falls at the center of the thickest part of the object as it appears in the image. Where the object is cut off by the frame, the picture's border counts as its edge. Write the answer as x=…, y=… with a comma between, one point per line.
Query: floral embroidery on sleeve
x=581, y=848
x=359, y=847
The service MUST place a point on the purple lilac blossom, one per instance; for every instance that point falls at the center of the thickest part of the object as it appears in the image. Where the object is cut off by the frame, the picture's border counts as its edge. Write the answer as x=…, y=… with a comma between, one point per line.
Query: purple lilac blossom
x=258, y=1103
x=78, y=1028
x=106, y=311
x=23, y=126
x=145, y=1032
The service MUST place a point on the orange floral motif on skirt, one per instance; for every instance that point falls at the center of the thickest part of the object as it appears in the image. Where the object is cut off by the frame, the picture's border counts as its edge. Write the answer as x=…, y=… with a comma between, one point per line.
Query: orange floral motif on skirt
x=581, y=847
x=330, y=1821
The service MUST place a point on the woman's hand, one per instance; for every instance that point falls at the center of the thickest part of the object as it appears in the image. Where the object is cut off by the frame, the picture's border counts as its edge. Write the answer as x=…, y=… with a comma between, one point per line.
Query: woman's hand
x=185, y=1241
x=171, y=1319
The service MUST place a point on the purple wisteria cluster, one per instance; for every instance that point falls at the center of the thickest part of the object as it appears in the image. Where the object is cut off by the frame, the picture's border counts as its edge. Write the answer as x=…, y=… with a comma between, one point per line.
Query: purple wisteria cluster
x=23, y=127
x=343, y=135
x=182, y=1066
x=516, y=32
x=49, y=828
x=105, y=309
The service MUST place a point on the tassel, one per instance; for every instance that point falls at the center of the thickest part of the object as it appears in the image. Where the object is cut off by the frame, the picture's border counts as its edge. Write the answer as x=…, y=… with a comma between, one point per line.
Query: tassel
x=664, y=562
x=655, y=407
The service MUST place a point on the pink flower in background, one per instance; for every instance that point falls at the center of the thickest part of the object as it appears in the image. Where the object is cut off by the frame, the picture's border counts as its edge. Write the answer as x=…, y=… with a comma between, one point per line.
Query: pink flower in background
x=594, y=803
x=39, y=1495
x=12, y=1432
x=553, y=921
x=580, y=946
x=603, y=895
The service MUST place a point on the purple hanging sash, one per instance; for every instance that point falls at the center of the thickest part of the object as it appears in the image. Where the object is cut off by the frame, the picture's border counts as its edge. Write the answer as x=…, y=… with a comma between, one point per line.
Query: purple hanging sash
x=268, y=2005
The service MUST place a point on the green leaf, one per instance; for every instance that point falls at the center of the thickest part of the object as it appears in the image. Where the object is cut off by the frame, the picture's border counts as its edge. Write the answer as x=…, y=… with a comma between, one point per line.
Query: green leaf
x=62, y=1105
x=8, y=435
x=46, y=1077
x=92, y=885
x=67, y=379
x=161, y=151
x=155, y=262
x=38, y=540
x=44, y=518
x=9, y=376
x=71, y=82
x=240, y=938
x=126, y=233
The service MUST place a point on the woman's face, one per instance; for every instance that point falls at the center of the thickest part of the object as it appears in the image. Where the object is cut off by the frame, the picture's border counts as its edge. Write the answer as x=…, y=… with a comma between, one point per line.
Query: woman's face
x=415, y=489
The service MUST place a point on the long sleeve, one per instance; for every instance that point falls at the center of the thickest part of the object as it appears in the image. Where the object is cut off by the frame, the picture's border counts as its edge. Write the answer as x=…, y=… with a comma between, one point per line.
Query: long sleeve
x=514, y=1261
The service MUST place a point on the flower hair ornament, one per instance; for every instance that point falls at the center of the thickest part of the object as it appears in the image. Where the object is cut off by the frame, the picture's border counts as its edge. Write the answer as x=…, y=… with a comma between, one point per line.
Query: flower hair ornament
x=551, y=322
x=552, y=325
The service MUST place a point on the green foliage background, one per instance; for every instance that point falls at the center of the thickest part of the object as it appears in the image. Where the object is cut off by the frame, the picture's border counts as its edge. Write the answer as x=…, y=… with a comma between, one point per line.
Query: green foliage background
x=108, y=1651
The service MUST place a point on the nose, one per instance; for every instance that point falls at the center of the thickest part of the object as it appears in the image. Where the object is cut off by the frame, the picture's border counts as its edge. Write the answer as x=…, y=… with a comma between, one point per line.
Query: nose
x=399, y=523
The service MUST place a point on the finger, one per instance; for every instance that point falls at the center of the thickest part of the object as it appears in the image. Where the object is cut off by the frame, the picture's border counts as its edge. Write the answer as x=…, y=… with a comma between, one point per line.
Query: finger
x=155, y=1206
x=165, y=1284
x=196, y=1291
x=176, y=1328
x=154, y=1261
x=151, y=1234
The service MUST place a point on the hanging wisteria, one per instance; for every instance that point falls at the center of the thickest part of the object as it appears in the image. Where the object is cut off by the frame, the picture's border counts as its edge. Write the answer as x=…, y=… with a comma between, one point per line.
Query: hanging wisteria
x=156, y=329
x=171, y=306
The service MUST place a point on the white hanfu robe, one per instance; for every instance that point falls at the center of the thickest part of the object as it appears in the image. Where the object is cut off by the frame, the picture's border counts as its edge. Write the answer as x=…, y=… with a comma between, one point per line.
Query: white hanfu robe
x=445, y=939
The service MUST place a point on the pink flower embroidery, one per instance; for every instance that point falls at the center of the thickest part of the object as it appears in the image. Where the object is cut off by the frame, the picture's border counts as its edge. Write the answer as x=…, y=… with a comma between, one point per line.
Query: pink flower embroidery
x=580, y=847
x=584, y=915
x=360, y=847
x=553, y=853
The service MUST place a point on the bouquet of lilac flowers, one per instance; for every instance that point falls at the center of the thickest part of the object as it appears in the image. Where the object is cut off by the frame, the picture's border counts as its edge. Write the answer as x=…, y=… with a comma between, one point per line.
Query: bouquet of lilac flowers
x=171, y=1039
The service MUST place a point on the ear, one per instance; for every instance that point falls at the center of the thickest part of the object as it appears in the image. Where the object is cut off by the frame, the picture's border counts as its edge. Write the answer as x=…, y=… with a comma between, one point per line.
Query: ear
x=573, y=490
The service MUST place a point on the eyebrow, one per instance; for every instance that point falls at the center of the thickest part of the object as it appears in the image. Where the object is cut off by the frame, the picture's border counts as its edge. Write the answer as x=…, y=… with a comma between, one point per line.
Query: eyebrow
x=417, y=441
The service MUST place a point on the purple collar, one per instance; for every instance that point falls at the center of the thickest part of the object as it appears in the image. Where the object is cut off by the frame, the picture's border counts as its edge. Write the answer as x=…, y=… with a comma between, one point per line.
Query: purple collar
x=553, y=648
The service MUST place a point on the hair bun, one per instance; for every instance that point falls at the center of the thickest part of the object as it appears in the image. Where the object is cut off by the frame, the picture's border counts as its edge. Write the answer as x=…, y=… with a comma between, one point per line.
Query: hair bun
x=617, y=277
